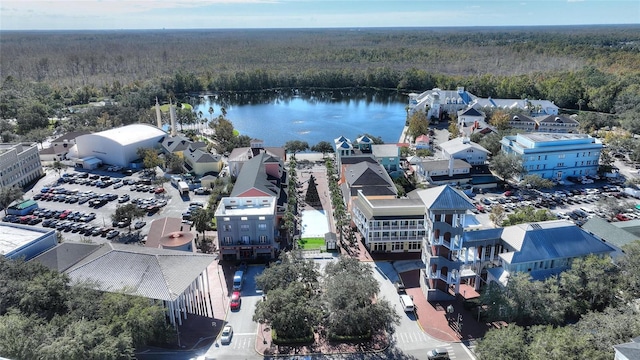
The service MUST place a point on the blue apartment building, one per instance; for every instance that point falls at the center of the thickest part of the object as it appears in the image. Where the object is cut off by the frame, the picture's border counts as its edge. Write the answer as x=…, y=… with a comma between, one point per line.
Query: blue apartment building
x=555, y=155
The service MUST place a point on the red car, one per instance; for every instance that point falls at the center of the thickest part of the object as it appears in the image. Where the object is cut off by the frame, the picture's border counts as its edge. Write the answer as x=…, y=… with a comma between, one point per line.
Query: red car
x=235, y=301
x=622, y=217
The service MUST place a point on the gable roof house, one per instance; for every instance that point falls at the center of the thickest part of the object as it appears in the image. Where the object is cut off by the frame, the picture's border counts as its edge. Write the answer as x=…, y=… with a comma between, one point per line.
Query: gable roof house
x=387, y=155
x=470, y=120
x=370, y=178
x=422, y=142
x=464, y=149
x=440, y=172
x=201, y=161
x=60, y=147
x=239, y=156
x=262, y=176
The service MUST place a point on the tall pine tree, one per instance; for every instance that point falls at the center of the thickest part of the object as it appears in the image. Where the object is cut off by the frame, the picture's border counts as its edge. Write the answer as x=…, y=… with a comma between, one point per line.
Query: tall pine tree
x=312, y=198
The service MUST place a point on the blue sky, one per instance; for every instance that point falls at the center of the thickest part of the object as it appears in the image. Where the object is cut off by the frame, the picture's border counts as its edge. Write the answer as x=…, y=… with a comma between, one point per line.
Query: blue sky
x=205, y=14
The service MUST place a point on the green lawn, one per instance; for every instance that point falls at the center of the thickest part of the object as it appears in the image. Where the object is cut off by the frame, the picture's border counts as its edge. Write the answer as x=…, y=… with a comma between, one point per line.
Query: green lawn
x=311, y=243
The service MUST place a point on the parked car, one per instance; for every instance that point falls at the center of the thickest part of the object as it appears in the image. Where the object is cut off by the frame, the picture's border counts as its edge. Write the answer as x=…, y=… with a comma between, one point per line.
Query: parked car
x=139, y=225
x=438, y=354
x=226, y=335
x=112, y=234
x=236, y=301
x=622, y=217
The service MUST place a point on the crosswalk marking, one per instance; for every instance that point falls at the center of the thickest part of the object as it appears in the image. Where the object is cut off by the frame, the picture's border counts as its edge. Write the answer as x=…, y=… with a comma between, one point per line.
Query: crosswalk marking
x=411, y=337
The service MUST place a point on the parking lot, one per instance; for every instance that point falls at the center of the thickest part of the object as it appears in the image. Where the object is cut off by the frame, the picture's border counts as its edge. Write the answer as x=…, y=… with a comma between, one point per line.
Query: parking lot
x=81, y=205
x=576, y=202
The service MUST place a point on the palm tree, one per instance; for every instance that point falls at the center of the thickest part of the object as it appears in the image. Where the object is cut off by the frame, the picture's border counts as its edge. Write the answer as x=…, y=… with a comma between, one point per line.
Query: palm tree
x=211, y=112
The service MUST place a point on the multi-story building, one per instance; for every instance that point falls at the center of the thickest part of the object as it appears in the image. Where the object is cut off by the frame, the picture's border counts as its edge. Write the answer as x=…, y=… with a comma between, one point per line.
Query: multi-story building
x=387, y=155
x=248, y=220
x=523, y=122
x=201, y=162
x=19, y=164
x=60, y=147
x=247, y=228
x=436, y=102
x=455, y=251
x=464, y=149
x=555, y=156
x=445, y=212
x=239, y=156
x=557, y=124
x=390, y=225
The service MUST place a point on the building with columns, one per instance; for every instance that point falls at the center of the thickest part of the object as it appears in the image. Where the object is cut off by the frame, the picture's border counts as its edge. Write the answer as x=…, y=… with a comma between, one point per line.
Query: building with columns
x=445, y=214
x=455, y=251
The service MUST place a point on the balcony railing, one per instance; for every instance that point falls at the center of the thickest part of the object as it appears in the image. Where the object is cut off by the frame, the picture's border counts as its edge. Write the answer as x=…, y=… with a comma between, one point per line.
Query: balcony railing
x=396, y=227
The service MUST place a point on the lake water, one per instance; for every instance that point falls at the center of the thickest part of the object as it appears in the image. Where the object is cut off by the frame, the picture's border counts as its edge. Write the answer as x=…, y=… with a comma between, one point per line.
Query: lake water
x=312, y=120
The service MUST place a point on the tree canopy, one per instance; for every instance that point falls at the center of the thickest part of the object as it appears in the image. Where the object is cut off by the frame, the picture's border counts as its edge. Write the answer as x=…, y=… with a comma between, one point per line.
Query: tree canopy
x=43, y=316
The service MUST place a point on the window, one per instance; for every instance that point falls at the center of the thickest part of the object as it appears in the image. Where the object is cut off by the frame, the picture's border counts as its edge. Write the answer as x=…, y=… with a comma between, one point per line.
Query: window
x=262, y=226
x=244, y=227
x=561, y=156
x=262, y=239
x=560, y=164
x=227, y=227
x=227, y=240
x=245, y=239
x=379, y=247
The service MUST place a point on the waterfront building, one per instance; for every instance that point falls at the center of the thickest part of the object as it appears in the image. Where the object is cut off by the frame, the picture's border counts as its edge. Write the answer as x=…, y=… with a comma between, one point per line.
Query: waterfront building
x=555, y=155
x=436, y=102
x=19, y=164
x=387, y=155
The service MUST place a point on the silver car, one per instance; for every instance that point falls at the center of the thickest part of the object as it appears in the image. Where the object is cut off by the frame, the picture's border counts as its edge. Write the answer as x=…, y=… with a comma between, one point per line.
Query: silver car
x=227, y=334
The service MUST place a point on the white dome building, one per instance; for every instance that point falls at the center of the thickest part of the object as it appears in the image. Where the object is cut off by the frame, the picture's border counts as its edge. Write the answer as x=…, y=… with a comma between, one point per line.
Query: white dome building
x=119, y=146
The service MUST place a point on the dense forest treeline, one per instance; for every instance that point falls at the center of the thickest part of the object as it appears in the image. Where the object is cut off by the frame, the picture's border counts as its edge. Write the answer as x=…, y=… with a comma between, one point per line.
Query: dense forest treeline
x=592, y=68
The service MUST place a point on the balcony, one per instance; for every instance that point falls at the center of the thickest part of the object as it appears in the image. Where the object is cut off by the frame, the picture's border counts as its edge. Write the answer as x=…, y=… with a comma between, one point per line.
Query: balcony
x=396, y=227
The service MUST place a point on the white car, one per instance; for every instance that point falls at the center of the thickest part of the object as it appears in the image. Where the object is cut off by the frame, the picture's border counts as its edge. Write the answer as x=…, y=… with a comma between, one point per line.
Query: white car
x=226, y=335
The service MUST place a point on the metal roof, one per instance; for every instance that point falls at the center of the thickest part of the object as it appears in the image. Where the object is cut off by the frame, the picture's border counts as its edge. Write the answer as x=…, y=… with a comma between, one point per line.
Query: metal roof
x=152, y=273
x=557, y=239
x=460, y=144
x=445, y=198
x=63, y=256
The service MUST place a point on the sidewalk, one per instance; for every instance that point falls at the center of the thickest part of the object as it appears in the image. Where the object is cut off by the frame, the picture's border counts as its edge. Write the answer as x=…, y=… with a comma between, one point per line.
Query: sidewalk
x=432, y=316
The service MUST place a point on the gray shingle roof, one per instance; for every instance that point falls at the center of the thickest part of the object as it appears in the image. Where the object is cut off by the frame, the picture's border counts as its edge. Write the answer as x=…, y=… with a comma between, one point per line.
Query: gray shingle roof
x=445, y=198
x=152, y=273
x=253, y=176
x=367, y=174
x=471, y=112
